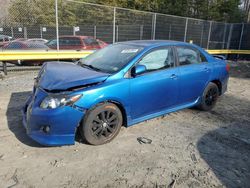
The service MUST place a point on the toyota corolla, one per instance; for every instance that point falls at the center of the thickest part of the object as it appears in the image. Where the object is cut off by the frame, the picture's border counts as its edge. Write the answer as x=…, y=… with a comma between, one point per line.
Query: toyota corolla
x=120, y=85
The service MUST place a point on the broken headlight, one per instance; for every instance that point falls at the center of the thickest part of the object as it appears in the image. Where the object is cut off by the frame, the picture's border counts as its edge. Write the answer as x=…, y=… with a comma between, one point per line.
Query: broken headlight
x=56, y=101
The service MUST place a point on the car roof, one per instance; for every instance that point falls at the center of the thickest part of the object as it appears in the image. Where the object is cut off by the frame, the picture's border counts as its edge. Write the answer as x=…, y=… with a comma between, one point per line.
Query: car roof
x=76, y=36
x=148, y=43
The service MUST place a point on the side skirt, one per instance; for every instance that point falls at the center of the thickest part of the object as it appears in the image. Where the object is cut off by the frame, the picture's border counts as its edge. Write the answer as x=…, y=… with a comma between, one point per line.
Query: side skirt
x=157, y=114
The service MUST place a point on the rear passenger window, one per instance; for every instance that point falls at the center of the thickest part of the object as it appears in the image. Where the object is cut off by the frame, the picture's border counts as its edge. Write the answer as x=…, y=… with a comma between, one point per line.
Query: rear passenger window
x=90, y=42
x=187, y=56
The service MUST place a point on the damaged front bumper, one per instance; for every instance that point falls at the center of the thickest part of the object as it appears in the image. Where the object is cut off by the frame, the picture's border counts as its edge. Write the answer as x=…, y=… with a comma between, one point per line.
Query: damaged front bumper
x=50, y=127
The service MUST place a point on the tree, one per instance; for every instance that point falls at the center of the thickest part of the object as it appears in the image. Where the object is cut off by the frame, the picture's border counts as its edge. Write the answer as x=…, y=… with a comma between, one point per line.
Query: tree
x=42, y=12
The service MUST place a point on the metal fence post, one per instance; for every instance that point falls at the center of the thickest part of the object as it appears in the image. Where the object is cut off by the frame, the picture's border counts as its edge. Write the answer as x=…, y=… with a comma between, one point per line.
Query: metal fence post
x=12, y=33
x=230, y=36
x=185, y=34
x=95, y=31
x=170, y=30
x=202, y=32
x=241, y=35
x=153, y=26
x=25, y=32
x=57, y=29
x=117, y=32
x=41, y=32
x=4, y=68
x=114, y=19
x=209, y=34
x=224, y=36
x=74, y=31
x=141, y=32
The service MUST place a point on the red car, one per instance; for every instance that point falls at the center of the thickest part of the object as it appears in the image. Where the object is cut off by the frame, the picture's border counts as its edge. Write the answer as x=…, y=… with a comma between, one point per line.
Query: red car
x=77, y=43
x=24, y=45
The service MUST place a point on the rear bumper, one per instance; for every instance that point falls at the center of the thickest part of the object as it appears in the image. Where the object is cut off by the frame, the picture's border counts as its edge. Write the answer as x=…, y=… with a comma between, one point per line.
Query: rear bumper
x=62, y=123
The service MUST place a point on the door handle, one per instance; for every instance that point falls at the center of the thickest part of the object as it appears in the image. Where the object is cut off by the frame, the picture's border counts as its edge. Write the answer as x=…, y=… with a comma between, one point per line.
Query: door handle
x=173, y=76
x=206, y=69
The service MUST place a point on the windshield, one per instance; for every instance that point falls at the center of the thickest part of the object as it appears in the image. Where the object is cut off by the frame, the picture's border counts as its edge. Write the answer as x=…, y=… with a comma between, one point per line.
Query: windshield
x=112, y=58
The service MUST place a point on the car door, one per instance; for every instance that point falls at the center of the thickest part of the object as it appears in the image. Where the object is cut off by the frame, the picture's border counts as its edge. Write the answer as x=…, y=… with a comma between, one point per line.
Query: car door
x=157, y=88
x=194, y=73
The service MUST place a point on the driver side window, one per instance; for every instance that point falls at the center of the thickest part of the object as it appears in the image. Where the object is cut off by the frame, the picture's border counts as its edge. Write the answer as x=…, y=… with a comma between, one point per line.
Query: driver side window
x=158, y=59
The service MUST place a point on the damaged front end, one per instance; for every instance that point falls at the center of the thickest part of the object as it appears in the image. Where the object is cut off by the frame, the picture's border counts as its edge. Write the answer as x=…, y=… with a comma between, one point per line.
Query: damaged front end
x=49, y=123
x=50, y=114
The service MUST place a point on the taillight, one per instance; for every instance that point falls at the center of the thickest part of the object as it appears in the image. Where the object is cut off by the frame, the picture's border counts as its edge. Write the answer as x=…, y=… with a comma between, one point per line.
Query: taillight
x=227, y=67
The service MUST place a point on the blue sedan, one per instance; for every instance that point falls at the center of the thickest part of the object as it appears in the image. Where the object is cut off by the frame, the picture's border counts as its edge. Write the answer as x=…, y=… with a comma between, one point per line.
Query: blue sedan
x=120, y=85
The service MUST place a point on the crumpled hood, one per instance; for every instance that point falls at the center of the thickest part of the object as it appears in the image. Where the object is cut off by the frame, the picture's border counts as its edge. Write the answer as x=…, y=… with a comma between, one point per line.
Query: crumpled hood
x=65, y=75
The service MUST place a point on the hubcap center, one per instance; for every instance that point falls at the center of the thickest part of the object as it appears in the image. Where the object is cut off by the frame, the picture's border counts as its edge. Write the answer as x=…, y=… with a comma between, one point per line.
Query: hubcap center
x=104, y=124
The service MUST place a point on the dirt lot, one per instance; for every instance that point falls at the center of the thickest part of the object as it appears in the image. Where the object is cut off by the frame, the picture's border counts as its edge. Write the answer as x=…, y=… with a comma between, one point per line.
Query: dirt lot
x=189, y=149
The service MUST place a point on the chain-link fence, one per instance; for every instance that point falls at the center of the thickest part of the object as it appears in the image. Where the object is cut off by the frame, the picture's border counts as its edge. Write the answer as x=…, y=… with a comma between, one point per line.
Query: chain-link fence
x=37, y=23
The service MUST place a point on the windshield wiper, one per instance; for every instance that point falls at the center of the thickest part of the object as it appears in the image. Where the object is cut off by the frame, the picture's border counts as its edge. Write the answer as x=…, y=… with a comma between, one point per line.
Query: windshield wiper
x=92, y=67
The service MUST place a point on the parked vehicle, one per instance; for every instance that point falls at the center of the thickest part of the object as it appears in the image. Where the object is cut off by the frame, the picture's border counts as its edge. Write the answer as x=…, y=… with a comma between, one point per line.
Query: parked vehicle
x=4, y=39
x=24, y=45
x=121, y=85
x=37, y=40
x=77, y=43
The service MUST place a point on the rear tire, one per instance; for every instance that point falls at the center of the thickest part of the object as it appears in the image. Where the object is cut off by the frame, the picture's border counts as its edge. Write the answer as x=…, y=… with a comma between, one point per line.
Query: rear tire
x=101, y=124
x=209, y=97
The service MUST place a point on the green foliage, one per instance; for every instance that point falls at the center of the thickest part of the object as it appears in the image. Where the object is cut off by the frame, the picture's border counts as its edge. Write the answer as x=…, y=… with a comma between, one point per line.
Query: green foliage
x=28, y=12
x=42, y=12
x=218, y=10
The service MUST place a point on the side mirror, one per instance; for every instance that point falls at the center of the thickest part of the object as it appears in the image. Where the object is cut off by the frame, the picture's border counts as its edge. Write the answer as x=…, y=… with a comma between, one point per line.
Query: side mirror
x=139, y=69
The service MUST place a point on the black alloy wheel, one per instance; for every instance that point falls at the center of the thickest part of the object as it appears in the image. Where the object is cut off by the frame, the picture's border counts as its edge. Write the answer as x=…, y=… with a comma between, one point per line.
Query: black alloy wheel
x=102, y=124
x=209, y=97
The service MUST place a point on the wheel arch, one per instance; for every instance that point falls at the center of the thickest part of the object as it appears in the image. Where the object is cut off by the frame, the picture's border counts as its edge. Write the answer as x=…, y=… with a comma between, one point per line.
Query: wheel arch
x=118, y=104
x=122, y=109
x=219, y=85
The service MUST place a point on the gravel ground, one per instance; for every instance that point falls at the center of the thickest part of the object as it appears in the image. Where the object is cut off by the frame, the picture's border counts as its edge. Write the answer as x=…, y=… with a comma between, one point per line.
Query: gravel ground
x=189, y=148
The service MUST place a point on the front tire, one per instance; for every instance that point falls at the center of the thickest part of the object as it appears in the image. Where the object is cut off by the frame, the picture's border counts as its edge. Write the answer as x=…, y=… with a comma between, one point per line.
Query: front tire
x=209, y=97
x=101, y=124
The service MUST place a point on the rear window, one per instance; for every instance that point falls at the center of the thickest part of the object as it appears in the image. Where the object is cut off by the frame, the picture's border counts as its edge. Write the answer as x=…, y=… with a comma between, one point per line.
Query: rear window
x=69, y=41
